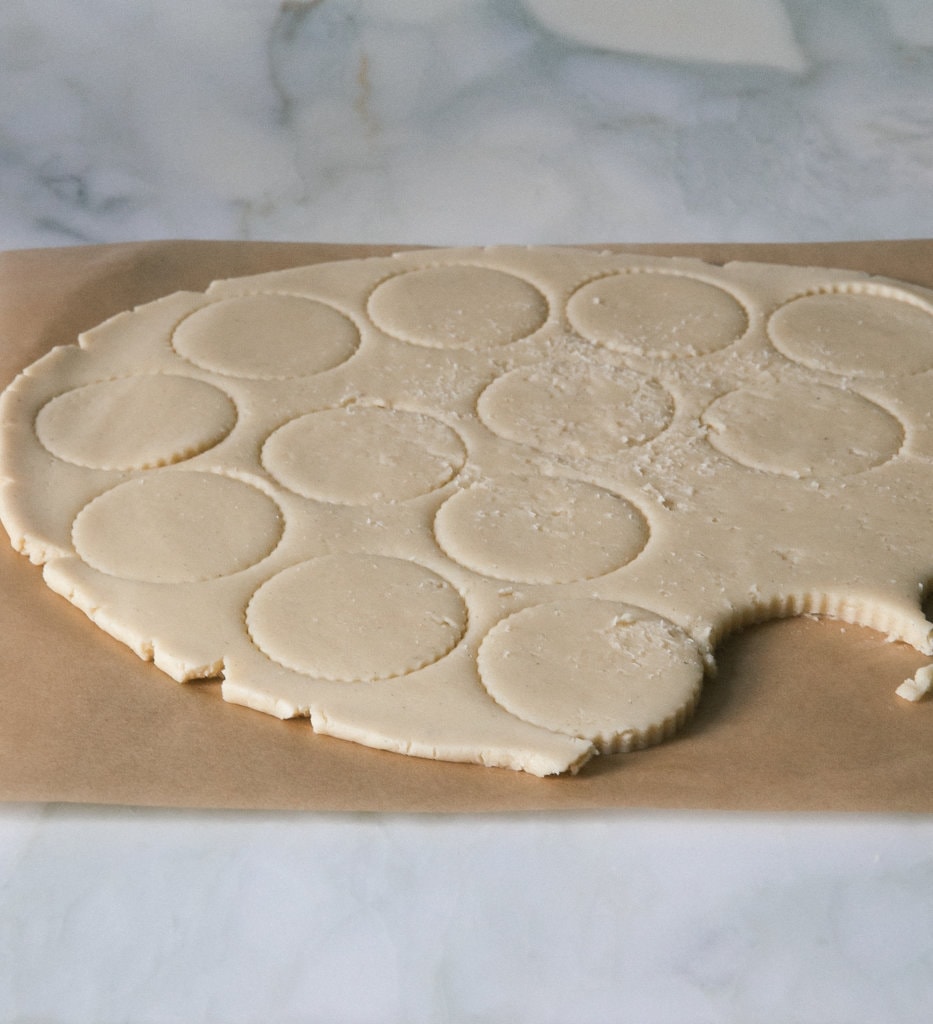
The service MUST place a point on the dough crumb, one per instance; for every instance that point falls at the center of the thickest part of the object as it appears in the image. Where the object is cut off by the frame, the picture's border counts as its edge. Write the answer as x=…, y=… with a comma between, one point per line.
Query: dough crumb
x=919, y=686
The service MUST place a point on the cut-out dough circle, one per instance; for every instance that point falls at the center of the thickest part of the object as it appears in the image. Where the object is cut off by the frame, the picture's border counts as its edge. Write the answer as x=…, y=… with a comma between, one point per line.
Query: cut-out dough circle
x=356, y=617
x=575, y=409
x=803, y=430
x=458, y=307
x=266, y=337
x=360, y=454
x=121, y=423
x=859, y=333
x=177, y=527
x=657, y=314
x=540, y=530
x=605, y=671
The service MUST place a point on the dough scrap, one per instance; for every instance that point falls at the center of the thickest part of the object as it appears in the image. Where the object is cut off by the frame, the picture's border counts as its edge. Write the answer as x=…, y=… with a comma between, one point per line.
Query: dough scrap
x=492, y=505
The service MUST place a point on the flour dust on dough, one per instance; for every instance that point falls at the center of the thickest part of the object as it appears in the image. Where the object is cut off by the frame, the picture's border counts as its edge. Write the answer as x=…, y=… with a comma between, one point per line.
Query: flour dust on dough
x=492, y=505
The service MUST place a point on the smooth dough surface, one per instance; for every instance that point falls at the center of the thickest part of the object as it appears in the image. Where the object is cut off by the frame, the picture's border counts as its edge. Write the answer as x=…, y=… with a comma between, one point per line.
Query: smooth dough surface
x=540, y=529
x=266, y=337
x=828, y=430
x=121, y=423
x=575, y=409
x=602, y=669
x=492, y=505
x=185, y=524
x=356, y=617
x=357, y=456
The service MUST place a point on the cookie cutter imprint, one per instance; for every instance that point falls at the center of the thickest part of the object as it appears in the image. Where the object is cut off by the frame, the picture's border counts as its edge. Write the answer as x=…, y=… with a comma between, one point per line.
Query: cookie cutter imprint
x=494, y=505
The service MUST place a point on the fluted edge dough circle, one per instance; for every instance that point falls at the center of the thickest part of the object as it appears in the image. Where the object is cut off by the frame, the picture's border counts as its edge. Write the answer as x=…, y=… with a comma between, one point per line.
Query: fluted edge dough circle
x=359, y=455
x=657, y=314
x=356, y=617
x=121, y=423
x=860, y=331
x=802, y=430
x=540, y=529
x=575, y=409
x=606, y=671
x=266, y=336
x=458, y=307
x=177, y=526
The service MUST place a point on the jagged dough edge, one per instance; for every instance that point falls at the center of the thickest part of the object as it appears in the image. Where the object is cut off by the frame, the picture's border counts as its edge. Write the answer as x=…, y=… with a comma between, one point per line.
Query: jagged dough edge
x=532, y=762
x=639, y=739
x=568, y=756
x=897, y=624
x=179, y=668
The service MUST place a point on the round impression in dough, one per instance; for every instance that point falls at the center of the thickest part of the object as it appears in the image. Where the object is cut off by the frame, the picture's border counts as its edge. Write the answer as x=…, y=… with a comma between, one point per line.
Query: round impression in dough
x=177, y=526
x=657, y=314
x=458, y=307
x=266, y=337
x=357, y=455
x=575, y=409
x=858, y=331
x=356, y=617
x=803, y=430
x=540, y=529
x=122, y=423
x=604, y=671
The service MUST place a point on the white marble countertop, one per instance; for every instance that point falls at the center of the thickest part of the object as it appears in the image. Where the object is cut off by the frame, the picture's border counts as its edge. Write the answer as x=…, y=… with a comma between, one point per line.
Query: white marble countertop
x=457, y=122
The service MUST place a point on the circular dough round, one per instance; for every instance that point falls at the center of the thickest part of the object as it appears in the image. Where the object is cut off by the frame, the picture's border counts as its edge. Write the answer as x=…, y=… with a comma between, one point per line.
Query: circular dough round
x=177, y=527
x=359, y=454
x=135, y=422
x=855, y=333
x=802, y=430
x=576, y=410
x=458, y=307
x=356, y=617
x=657, y=314
x=540, y=530
x=605, y=671
x=266, y=337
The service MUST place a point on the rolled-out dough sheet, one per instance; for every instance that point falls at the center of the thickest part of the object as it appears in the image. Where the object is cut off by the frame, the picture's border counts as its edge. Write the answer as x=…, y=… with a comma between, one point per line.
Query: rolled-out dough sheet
x=486, y=505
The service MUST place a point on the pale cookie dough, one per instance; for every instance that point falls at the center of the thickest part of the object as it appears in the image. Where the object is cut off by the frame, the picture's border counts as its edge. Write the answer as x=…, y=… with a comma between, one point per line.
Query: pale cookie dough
x=575, y=409
x=834, y=432
x=356, y=617
x=540, y=529
x=359, y=455
x=490, y=505
x=617, y=674
x=77, y=426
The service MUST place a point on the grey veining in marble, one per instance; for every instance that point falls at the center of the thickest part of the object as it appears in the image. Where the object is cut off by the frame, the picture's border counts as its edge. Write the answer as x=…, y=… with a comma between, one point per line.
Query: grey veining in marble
x=452, y=122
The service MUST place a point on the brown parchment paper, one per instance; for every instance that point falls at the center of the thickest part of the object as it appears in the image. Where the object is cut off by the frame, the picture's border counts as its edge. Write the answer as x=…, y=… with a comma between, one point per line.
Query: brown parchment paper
x=802, y=715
